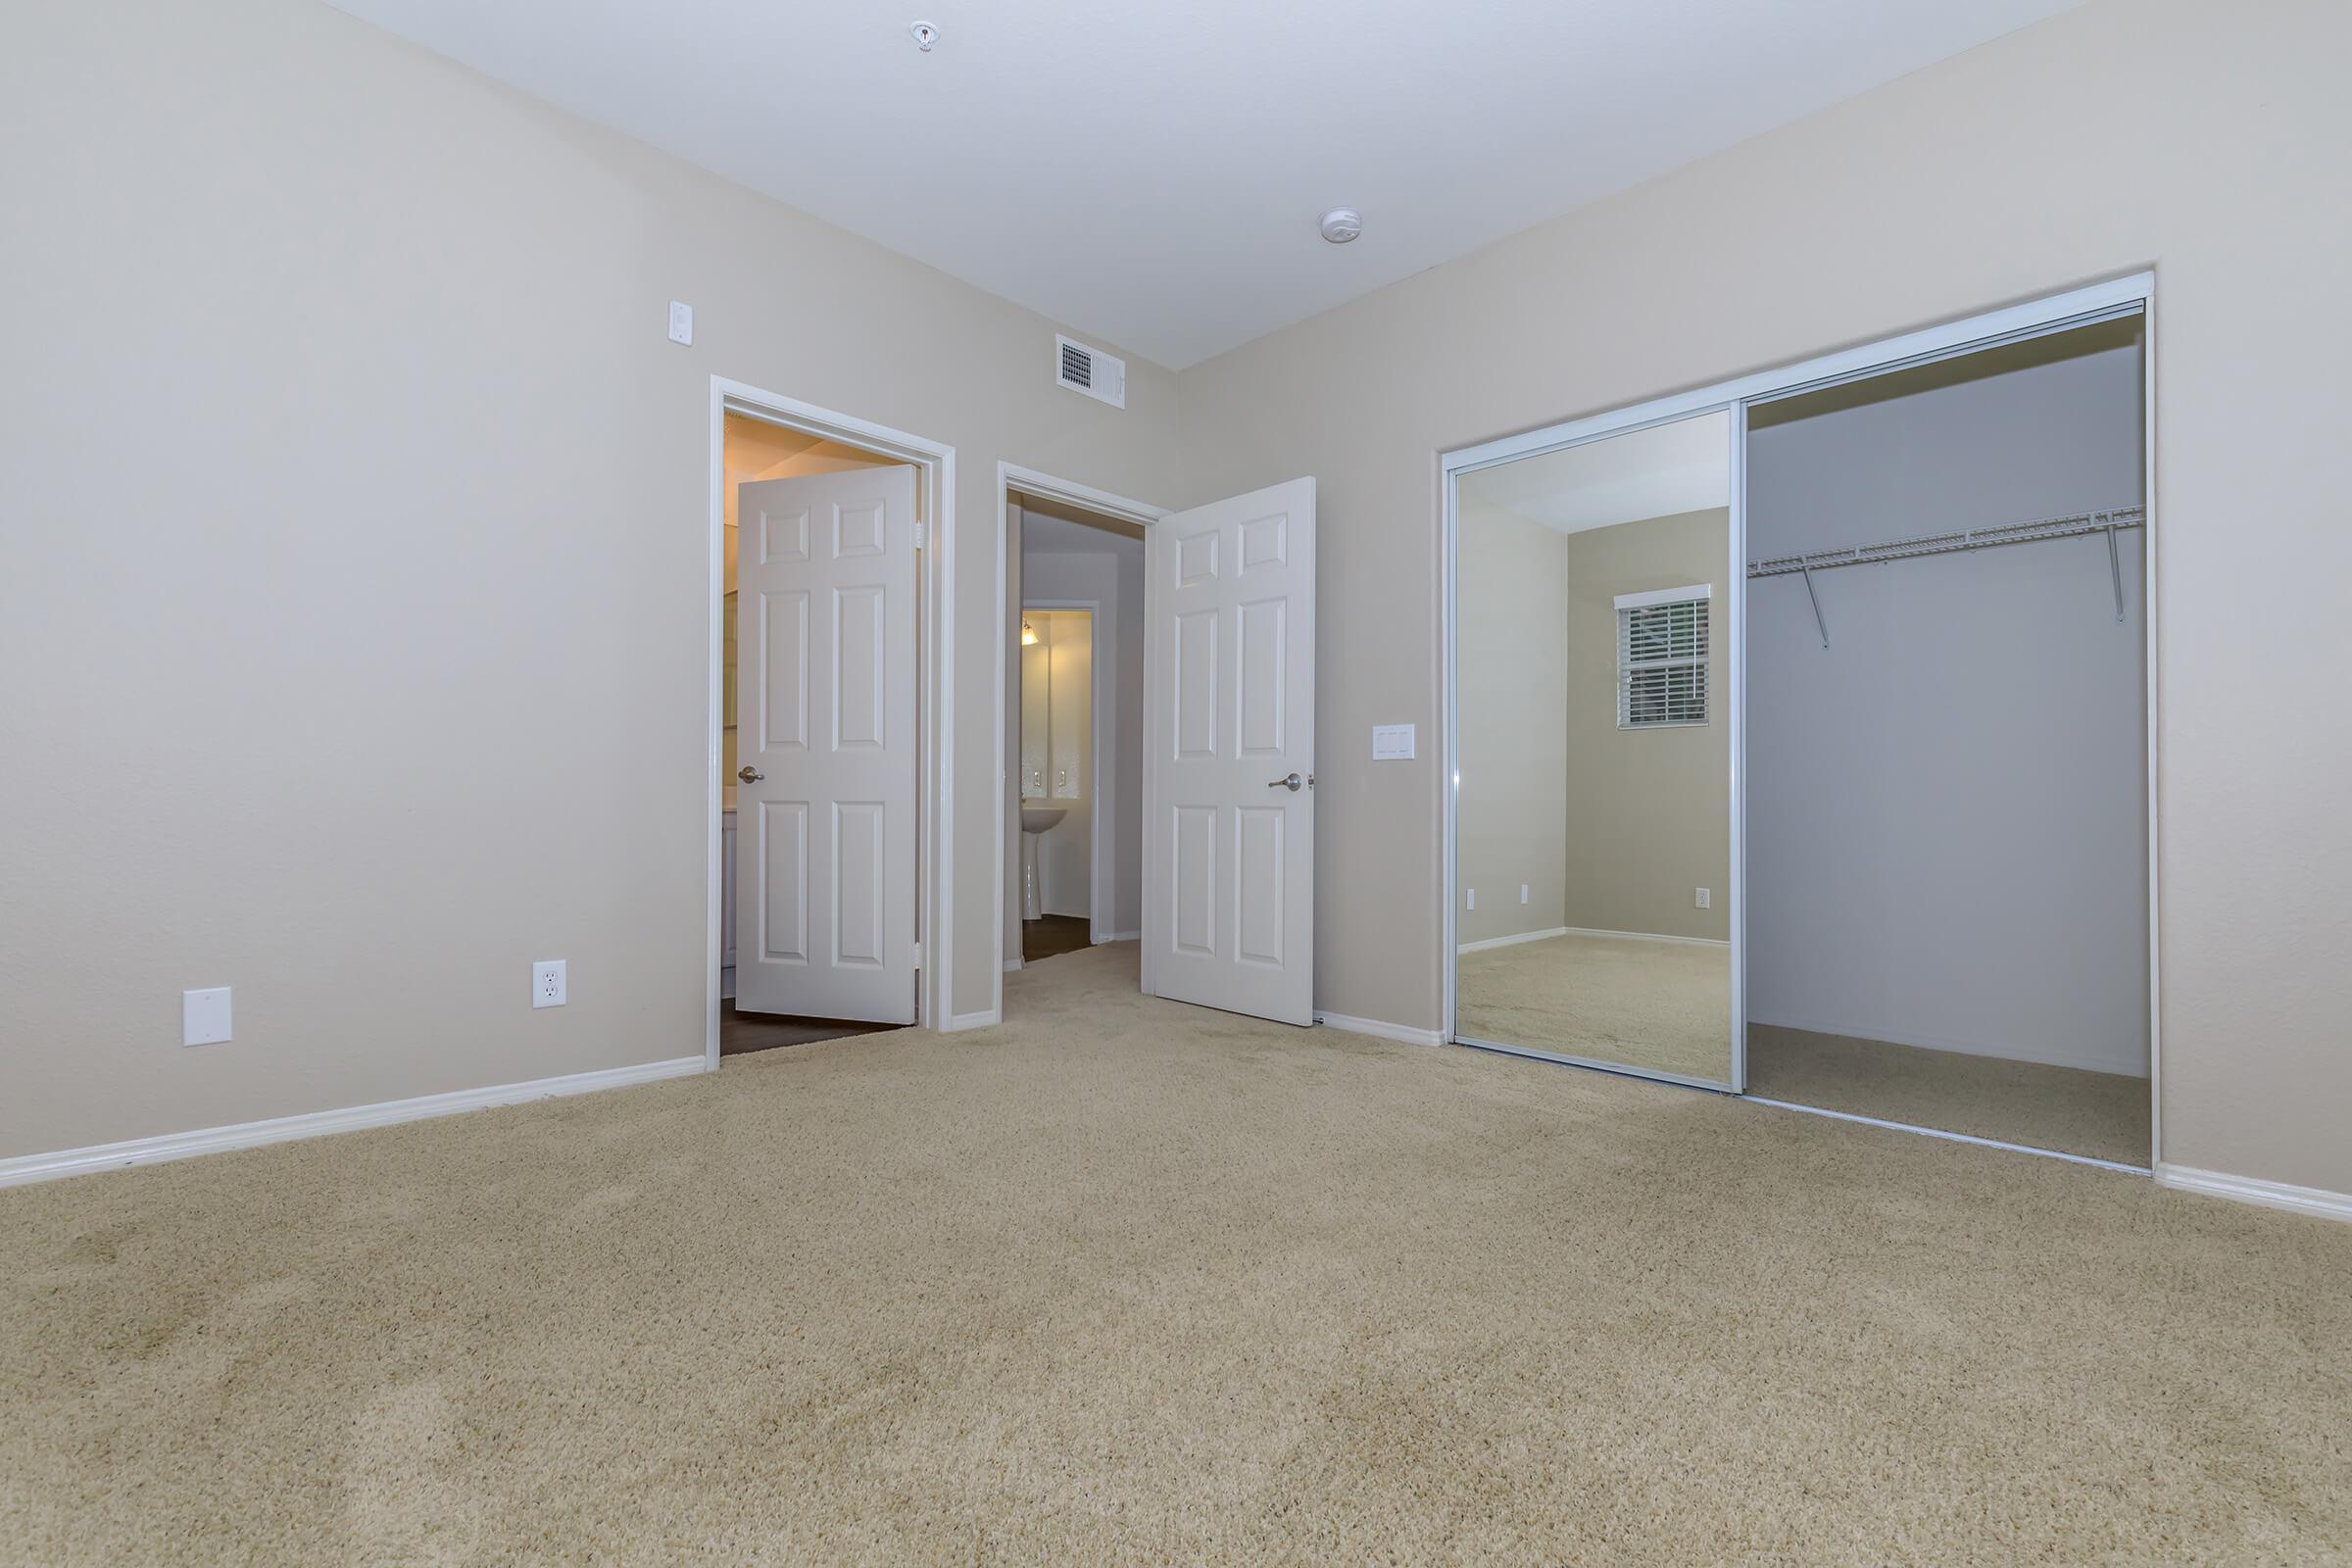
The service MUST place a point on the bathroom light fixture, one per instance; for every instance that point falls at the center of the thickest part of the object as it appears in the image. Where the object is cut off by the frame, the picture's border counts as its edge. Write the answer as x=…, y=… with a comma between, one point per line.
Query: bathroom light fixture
x=1028, y=633
x=1341, y=224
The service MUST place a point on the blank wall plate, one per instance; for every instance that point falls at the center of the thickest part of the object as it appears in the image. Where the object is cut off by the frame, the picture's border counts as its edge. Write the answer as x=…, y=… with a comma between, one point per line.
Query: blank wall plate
x=681, y=322
x=204, y=1017
x=1391, y=743
x=550, y=986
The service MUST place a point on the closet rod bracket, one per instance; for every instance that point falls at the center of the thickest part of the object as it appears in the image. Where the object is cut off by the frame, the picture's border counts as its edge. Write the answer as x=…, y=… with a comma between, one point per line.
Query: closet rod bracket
x=1805, y=565
x=2115, y=573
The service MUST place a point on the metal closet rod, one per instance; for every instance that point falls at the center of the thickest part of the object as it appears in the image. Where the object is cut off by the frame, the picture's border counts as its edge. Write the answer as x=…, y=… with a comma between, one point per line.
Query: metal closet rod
x=2072, y=525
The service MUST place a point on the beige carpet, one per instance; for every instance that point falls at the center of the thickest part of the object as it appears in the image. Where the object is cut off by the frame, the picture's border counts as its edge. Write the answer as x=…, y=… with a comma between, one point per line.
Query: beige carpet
x=1128, y=1282
x=1661, y=1005
x=2100, y=1114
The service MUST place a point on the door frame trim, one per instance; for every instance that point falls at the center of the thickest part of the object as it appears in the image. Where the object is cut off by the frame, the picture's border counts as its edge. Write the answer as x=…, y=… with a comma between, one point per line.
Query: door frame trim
x=934, y=463
x=2130, y=293
x=1011, y=476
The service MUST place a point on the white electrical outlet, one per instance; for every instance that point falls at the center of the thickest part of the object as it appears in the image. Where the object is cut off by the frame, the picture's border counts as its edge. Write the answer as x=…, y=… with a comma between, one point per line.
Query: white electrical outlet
x=1706, y=898
x=1472, y=895
x=549, y=985
x=1522, y=893
x=204, y=1017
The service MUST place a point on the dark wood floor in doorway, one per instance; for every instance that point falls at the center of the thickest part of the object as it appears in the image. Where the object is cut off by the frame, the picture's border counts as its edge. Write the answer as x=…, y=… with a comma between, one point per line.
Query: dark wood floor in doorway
x=1051, y=934
x=739, y=1033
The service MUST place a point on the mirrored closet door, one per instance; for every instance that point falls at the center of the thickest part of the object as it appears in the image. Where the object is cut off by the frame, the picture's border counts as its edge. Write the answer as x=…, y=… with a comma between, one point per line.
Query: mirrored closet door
x=1596, y=595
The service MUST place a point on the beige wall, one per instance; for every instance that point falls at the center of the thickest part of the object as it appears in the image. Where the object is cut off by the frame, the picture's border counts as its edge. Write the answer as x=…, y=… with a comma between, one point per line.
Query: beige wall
x=383, y=673
x=1512, y=824
x=2207, y=141
x=1648, y=811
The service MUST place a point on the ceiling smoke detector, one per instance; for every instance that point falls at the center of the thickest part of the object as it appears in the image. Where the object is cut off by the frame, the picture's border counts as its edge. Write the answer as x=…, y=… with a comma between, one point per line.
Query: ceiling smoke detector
x=1341, y=224
x=924, y=33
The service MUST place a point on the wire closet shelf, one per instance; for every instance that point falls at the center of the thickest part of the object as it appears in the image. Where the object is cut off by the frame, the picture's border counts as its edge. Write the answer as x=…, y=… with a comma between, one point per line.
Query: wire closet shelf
x=1939, y=544
x=2070, y=527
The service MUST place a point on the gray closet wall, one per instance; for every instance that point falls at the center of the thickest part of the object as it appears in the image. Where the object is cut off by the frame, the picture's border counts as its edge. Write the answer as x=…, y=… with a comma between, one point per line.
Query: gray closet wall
x=1947, y=808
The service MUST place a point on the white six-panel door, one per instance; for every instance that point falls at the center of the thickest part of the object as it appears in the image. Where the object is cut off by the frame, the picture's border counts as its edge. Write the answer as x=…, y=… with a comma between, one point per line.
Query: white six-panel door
x=825, y=736
x=1229, y=851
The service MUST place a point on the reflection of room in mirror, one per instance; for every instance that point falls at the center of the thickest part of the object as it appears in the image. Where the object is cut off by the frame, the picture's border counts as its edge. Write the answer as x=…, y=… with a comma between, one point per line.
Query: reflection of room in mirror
x=1593, y=828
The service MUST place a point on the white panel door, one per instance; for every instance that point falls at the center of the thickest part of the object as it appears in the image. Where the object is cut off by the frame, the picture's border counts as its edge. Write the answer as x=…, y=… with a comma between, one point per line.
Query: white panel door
x=825, y=733
x=1229, y=844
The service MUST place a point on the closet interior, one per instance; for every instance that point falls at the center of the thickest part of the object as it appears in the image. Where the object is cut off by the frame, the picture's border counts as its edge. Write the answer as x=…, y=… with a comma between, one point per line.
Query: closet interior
x=1947, y=788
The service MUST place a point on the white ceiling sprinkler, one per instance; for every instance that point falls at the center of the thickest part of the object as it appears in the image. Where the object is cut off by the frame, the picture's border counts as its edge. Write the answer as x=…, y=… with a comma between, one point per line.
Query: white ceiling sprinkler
x=924, y=33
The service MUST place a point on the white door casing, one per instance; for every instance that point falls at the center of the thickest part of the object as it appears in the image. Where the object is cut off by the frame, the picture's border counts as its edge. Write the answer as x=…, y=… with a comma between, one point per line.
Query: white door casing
x=1229, y=846
x=826, y=739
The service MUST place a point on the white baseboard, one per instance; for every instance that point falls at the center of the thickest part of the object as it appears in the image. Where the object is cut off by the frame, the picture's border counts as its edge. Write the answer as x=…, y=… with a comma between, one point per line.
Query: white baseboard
x=1512, y=941
x=1122, y=936
x=1380, y=1030
x=2247, y=1190
x=1012, y=965
x=1587, y=931
x=1641, y=936
x=317, y=1123
x=2046, y=1056
x=986, y=1018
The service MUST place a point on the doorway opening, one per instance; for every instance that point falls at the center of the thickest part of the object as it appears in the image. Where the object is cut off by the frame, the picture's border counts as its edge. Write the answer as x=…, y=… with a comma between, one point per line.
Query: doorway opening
x=1075, y=581
x=827, y=539
x=1224, y=715
x=1947, y=742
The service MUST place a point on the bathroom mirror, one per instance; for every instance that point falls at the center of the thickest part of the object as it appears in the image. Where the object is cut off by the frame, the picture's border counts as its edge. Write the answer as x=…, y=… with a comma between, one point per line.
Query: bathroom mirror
x=1593, y=812
x=1057, y=697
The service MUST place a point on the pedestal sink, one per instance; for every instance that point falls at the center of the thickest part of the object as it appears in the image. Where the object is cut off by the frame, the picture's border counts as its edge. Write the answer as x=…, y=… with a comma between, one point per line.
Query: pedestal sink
x=1034, y=820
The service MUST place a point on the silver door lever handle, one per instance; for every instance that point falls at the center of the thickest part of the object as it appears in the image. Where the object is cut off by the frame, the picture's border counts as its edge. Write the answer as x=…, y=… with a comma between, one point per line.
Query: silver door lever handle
x=1288, y=782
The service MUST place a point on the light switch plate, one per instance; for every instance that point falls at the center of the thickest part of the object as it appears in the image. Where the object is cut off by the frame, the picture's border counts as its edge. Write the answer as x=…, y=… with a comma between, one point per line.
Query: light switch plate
x=1391, y=743
x=204, y=1017
x=681, y=322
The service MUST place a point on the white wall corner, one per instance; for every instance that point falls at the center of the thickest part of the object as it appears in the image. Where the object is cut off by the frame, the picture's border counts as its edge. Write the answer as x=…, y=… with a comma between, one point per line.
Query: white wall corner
x=2313, y=1200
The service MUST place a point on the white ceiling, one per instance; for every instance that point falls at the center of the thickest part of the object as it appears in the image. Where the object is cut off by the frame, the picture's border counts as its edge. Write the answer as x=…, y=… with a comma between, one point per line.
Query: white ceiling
x=1051, y=526
x=1657, y=472
x=1152, y=174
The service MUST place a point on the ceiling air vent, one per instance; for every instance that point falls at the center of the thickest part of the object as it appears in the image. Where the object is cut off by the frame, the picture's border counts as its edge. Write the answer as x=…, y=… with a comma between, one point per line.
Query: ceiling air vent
x=1089, y=371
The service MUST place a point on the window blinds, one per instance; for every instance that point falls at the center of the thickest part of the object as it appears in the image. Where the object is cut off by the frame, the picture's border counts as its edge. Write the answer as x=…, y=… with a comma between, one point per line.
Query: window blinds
x=1662, y=665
